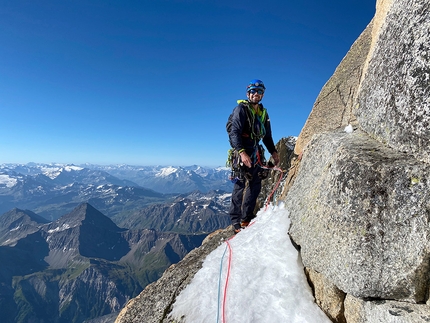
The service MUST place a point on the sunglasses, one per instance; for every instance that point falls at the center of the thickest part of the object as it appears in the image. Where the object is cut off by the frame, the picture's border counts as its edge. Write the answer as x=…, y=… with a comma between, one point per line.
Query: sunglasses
x=256, y=91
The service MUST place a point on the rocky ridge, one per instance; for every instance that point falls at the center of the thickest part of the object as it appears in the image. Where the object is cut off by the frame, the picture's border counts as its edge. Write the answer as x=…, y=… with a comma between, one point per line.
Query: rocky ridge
x=192, y=212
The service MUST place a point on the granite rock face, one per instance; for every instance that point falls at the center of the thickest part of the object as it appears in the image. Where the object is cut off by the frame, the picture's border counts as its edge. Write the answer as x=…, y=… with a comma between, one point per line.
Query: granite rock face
x=394, y=100
x=360, y=212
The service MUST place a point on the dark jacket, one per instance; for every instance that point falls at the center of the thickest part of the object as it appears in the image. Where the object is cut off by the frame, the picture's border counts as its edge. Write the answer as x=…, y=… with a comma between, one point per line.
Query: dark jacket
x=245, y=129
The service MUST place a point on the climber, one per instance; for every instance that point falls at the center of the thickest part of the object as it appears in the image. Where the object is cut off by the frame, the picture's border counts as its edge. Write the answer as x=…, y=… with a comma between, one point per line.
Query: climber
x=246, y=126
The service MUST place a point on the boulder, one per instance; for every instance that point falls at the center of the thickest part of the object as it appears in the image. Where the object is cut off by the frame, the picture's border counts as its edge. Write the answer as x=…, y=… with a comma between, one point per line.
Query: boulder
x=360, y=213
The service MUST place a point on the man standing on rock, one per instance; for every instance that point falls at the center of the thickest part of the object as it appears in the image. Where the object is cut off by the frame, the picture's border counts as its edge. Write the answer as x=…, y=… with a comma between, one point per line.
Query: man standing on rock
x=247, y=125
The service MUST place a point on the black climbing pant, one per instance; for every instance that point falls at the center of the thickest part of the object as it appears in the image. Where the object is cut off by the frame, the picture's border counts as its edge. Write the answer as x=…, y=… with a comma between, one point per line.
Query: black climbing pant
x=244, y=197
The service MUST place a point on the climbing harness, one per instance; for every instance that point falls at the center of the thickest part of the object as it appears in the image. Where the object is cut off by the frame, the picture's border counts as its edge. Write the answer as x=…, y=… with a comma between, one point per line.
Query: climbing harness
x=237, y=172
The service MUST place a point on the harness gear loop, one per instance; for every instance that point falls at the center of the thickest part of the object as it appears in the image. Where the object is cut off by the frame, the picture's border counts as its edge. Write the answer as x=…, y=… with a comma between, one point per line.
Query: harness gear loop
x=234, y=163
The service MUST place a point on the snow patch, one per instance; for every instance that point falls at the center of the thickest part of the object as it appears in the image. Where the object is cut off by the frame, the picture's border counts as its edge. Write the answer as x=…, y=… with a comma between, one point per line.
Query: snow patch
x=224, y=196
x=65, y=226
x=16, y=228
x=266, y=281
x=349, y=129
x=7, y=180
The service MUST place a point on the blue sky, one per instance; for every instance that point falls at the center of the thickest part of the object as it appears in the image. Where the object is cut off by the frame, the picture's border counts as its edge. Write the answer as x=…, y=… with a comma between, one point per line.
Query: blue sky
x=153, y=82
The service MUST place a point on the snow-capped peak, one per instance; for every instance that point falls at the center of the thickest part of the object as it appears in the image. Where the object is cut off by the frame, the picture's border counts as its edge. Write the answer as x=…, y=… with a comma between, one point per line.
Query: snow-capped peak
x=166, y=171
x=54, y=171
x=70, y=168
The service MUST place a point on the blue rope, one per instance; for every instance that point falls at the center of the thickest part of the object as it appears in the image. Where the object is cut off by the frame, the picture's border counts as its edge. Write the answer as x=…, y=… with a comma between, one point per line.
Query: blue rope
x=219, y=285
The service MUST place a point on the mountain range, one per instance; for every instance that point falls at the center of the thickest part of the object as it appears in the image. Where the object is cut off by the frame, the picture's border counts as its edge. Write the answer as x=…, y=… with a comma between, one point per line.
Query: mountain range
x=55, y=189
x=95, y=236
x=172, y=179
x=80, y=266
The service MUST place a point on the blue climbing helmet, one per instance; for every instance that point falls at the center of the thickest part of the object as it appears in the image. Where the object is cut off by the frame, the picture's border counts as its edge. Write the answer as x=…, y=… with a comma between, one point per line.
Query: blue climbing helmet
x=255, y=85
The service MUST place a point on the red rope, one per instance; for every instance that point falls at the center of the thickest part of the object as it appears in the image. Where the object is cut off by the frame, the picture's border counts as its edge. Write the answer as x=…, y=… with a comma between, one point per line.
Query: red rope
x=279, y=180
x=226, y=280
x=276, y=187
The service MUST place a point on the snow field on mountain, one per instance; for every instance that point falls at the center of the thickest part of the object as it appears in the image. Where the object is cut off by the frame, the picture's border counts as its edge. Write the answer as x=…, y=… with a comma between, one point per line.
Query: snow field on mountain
x=266, y=282
x=7, y=181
